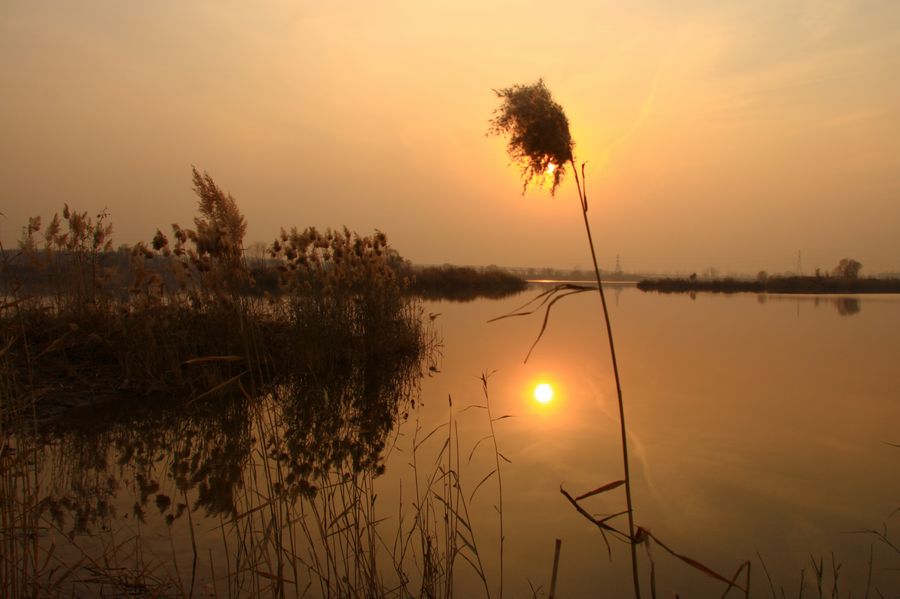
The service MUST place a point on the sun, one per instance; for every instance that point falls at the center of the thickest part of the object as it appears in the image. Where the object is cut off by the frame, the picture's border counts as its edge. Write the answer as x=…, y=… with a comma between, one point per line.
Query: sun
x=543, y=393
x=550, y=168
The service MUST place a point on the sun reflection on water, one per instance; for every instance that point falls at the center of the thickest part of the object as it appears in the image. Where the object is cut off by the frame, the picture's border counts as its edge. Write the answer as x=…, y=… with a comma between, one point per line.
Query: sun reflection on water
x=545, y=396
x=543, y=393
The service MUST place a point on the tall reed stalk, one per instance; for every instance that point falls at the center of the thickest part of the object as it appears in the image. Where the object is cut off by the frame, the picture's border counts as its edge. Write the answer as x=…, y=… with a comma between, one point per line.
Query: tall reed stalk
x=540, y=141
x=582, y=194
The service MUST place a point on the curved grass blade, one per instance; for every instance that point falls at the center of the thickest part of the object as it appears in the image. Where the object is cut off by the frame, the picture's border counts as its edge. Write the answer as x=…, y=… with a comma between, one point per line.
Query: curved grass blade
x=688, y=560
x=733, y=584
x=230, y=358
x=217, y=388
x=428, y=436
x=601, y=524
x=479, y=442
x=483, y=480
x=603, y=489
x=543, y=296
x=556, y=293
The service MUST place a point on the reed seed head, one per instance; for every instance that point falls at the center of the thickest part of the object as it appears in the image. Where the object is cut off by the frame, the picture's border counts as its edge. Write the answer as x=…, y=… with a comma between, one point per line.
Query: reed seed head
x=538, y=131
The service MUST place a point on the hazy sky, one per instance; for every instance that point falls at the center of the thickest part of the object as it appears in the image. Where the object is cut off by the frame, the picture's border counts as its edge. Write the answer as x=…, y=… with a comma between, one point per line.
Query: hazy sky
x=723, y=134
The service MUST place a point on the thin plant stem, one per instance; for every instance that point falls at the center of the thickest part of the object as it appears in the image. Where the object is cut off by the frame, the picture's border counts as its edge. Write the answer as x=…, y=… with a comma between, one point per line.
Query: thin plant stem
x=582, y=195
x=555, y=568
x=487, y=403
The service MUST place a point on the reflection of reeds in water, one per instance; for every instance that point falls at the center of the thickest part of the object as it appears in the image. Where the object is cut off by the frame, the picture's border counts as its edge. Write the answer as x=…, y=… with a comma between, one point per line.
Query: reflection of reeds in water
x=339, y=541
x=293, y=516
x=289, y=470
x=23, y=558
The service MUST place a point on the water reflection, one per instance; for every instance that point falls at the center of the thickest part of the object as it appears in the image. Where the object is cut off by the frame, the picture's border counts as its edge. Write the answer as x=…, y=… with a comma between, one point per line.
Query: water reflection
x=176, y=457
x=467, y=294
x=742, y=418
x=844, y=305
x=847, y=306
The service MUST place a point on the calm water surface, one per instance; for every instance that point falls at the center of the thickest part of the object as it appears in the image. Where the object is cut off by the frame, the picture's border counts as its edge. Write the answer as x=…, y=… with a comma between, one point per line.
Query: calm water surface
x=759, y=426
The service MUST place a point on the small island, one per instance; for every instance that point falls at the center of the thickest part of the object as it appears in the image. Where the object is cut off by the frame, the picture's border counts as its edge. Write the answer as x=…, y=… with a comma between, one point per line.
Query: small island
x=843, y=279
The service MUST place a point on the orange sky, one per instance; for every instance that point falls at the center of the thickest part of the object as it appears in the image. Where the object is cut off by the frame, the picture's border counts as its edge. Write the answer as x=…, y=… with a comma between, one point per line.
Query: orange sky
x=718, y=134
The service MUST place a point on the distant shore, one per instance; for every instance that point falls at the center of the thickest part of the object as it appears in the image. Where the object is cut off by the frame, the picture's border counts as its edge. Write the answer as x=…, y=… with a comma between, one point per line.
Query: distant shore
x=457, y=283
x=774, y=284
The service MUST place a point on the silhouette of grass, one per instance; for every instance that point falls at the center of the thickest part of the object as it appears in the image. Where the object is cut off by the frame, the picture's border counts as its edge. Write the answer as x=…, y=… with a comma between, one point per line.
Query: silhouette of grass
x=460, y=283
x=270, y=411
x=539, y=140
x=187, y=305
x=772, y=284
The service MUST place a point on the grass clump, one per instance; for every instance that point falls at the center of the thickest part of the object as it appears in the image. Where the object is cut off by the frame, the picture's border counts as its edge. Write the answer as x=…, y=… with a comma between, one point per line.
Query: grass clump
x=178, y=313
x=301, y=387
x=461, y=283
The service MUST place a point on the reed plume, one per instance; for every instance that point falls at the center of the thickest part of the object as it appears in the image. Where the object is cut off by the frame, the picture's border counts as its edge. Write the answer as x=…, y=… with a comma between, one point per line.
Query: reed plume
x=540, y=142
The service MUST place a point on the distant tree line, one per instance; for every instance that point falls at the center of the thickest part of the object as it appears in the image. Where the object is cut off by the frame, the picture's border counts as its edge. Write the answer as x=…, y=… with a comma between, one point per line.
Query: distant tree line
x=844, y=278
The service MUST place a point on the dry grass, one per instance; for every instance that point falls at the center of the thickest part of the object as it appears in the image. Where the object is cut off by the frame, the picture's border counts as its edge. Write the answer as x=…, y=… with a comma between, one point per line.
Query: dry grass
x=539, y=140
x=244, y=389
x=186, y=323
x=293, y=519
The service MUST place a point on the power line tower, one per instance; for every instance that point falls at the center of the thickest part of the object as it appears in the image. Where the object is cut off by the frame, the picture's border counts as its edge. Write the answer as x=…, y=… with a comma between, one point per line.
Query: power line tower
x=618, y=265
x=799, y=262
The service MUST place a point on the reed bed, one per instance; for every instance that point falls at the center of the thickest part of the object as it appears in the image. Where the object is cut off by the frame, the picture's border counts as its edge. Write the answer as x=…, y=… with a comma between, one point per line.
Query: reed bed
x=186, y=322
x=270, y=413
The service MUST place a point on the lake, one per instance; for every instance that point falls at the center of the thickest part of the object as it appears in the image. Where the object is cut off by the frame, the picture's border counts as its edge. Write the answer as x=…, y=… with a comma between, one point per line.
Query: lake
x=760, y=428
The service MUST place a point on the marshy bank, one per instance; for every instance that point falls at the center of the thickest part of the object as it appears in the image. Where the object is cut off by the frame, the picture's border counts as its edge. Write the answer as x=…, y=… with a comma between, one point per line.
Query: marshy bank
x=340, y=301
x=173, y=379
x=773, y=284
x=188, y=313
x=458, y=283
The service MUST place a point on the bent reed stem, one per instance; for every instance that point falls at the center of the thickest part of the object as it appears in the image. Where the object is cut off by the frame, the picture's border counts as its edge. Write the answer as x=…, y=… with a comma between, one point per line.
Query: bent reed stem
x=582, y=196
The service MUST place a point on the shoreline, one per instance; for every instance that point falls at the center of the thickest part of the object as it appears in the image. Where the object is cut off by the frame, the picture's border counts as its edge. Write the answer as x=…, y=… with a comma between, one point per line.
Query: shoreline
x=774, y=285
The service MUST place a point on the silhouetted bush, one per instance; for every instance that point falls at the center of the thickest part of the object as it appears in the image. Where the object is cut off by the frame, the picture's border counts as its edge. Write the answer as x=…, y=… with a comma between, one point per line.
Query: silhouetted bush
x=463, y=283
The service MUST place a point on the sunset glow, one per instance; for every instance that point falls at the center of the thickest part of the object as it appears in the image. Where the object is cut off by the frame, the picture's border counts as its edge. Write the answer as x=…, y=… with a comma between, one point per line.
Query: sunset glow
x=673, y=110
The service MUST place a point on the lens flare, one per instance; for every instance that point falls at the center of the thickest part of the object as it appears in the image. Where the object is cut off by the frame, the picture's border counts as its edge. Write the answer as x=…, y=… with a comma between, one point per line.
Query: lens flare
x=543, y=393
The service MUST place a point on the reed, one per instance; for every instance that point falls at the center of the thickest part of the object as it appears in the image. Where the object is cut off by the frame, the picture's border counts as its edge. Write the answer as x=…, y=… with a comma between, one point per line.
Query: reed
x=333, y=356
x=186, y=321
x=539, y=140
x=337, y=357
